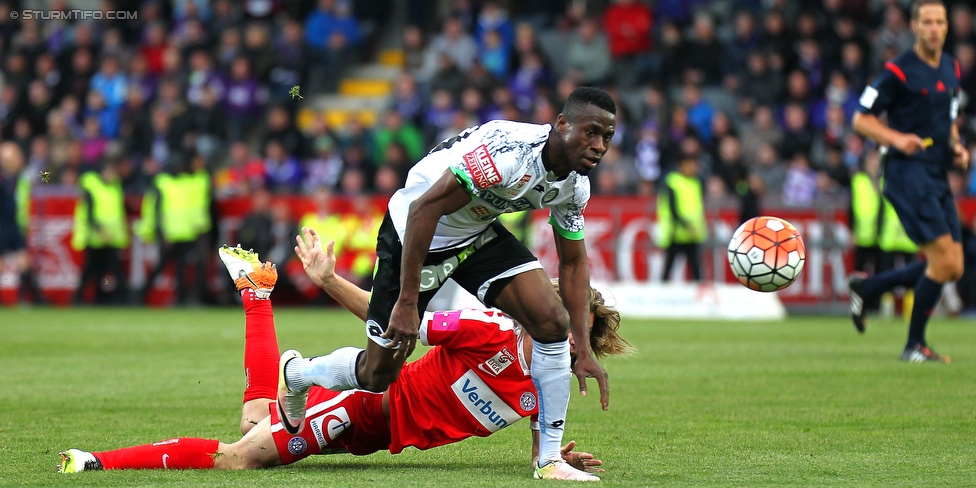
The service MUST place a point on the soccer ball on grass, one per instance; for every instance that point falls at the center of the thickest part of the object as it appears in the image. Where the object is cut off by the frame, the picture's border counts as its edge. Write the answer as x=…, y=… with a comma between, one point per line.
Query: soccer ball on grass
x=766, y=253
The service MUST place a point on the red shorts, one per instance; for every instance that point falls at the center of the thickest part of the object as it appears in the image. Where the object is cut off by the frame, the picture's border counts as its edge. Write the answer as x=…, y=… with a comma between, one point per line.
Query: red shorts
x=347, y=421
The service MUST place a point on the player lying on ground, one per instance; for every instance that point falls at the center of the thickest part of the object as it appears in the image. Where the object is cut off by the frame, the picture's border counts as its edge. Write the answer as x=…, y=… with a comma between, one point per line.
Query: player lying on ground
x=362, y=422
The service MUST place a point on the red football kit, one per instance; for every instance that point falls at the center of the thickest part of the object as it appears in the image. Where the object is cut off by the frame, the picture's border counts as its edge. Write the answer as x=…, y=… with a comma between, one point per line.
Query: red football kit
x=474, y=382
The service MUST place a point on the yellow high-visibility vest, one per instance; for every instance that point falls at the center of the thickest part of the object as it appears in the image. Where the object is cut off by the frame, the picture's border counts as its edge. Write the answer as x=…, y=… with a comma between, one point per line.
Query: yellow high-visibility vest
x=108, y=212
x=690, y=204
x=865, y=205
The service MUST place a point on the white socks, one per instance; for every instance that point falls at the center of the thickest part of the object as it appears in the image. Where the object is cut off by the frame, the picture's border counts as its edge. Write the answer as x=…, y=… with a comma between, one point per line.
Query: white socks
x=336, y=371
x=551, y=375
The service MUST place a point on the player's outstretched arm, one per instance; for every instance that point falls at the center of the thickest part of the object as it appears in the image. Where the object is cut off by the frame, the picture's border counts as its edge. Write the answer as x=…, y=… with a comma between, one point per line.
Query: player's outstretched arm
x=582, y=461
x=444, y=197
x=574, y=278
x=319, y=265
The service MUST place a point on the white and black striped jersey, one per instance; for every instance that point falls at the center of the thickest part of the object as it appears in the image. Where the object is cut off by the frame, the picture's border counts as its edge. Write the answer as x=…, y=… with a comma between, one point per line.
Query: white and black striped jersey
x=500, y=164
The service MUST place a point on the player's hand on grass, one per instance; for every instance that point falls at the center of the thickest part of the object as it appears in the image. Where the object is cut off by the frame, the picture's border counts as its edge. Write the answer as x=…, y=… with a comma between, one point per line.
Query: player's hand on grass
x=588, y=367
x=960, y=155
x=404, y=329
x=319, y=264
x=908, y=143
x=582, y=461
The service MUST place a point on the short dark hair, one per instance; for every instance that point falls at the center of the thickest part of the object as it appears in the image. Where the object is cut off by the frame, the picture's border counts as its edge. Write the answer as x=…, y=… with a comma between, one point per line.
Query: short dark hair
x=587, y=95
x=918, y=4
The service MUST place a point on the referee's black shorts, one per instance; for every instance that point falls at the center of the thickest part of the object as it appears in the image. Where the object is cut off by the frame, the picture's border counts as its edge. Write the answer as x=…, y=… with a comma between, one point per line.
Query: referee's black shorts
x=11, y=240
x=921, y=196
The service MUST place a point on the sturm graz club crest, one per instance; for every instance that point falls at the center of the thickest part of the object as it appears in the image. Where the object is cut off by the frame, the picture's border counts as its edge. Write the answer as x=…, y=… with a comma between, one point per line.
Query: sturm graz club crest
x=297, y=445
x=527, y=402
x=550, y=195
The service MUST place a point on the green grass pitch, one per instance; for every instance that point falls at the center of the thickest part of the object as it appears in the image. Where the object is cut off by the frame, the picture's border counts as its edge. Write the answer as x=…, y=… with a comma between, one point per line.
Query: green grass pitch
x=804, y=402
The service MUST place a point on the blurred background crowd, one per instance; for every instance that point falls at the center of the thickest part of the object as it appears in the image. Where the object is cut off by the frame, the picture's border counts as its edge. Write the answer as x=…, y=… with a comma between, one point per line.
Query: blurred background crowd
x=759, y=92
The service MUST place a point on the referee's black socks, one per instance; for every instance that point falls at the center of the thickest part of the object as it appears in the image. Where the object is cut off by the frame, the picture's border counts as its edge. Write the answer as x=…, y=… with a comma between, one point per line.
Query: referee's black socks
x=927, y=294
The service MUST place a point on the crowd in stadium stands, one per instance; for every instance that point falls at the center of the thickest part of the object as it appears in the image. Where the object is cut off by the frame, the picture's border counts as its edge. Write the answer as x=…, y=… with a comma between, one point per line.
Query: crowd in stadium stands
x=761, y=91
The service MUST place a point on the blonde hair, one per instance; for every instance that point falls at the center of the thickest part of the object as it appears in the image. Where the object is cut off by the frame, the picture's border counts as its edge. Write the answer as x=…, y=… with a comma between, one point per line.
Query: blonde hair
x=604, y=338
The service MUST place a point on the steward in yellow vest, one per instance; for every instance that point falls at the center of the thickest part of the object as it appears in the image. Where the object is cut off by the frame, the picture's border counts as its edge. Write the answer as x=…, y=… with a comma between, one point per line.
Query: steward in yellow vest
x=865, y=212
x=362, y=226
x=681, y=217
x=176, y=214
x=101, y=230
x=897, y=249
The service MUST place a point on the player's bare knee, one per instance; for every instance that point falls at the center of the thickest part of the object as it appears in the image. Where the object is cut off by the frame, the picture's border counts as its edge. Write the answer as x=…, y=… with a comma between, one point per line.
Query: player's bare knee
x=376, y=377
x=378, y=381
x=555, y=327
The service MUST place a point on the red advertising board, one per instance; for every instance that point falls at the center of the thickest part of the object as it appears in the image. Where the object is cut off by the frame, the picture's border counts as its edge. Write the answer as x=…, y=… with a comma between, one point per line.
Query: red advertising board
x=619, y=239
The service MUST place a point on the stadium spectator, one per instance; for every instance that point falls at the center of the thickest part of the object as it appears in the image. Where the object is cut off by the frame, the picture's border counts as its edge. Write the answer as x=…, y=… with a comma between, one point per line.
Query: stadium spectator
x=226, y=16
x=800, y=186
x=769, y=169
x=628, y=25
x=961, y=27
x=700, y=112
x=965, y=54
x=241, y=173
x=892, y=35
x=255, y=231
x=280, y=128
x=93, y=142
x=703, y=54
x=588, y=54
x=797, y=137
x=282, y=171
x=289, y=62
x=493, y=17
x=407, y=99
x=331, y=34
x=776, y=38
x=743, y=43
x=204, y=126
x=455, y=43
x=244, y=99
x=203, y=74
x=39, y=103
x=494, y=55
x=439, y=115
x=395, y=129
x=325, y=167
x=414, y=52
x=258, y=50
x=229, y=48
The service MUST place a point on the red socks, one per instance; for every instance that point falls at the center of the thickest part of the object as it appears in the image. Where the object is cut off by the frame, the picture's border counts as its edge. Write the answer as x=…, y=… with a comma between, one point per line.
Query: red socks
x=260, y=349
x=178, y=453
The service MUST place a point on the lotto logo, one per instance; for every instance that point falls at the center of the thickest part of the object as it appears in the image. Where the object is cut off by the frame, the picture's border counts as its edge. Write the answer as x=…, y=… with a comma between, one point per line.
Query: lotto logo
x=482, y=168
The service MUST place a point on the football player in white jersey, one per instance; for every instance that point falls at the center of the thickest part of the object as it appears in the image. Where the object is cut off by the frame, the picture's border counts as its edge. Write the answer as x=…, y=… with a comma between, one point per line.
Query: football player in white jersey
x=443, y=224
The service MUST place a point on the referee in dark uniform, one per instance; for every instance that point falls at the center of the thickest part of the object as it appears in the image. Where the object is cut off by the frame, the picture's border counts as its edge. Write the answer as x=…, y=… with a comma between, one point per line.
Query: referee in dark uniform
x=919, y=90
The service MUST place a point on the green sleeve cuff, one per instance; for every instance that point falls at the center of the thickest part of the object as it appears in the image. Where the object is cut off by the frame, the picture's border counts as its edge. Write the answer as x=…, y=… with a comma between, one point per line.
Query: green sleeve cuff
x=464, y=180
x=573, y=236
